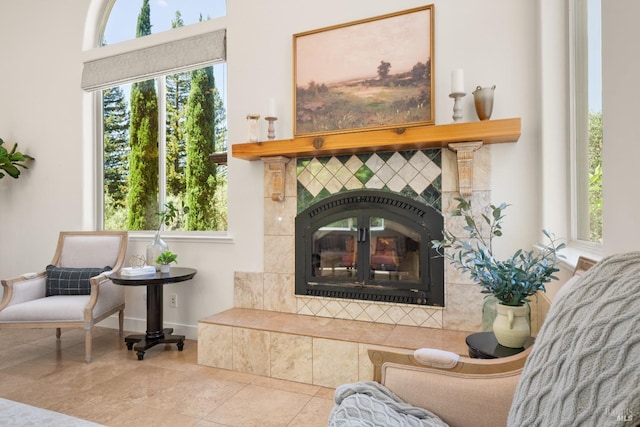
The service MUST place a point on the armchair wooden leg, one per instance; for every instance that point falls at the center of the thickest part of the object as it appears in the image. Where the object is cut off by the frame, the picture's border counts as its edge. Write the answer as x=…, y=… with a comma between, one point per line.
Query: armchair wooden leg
x=58, y=333
x=88, y=341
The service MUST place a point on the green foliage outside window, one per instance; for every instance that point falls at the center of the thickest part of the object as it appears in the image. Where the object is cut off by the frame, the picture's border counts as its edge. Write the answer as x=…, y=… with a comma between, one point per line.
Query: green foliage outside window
x=178, y=87
x=201, y=171
x=116, y=147
x=142, y=199
x=595, y=177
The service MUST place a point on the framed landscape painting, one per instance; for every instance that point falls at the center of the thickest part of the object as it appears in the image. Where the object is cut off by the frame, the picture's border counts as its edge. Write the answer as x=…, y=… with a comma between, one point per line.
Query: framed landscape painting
x=370, y=74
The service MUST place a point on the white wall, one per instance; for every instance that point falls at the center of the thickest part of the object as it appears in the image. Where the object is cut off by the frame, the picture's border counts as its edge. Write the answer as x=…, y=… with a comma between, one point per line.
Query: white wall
x=621, y=92
x=40, y=109
x=494, y=41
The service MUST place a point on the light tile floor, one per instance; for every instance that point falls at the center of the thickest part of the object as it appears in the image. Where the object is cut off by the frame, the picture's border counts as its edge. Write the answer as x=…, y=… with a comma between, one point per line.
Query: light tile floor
x=167, y=388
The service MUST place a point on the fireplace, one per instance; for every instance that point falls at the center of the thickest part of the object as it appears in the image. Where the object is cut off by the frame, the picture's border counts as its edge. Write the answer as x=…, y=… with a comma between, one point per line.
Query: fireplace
x=428, y=176
x=369, y=245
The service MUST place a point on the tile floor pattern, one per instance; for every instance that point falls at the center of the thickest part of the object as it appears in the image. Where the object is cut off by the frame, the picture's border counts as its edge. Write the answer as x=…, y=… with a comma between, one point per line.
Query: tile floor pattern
x=167, y=388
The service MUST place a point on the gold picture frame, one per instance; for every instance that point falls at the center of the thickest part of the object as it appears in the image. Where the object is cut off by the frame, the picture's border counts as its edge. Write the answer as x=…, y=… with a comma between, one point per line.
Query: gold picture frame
x=369, y=74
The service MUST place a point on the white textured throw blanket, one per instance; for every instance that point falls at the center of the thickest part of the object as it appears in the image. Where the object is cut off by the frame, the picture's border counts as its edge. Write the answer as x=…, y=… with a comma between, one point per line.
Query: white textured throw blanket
x=16, y=414
x=369, y=404
x=584, y=369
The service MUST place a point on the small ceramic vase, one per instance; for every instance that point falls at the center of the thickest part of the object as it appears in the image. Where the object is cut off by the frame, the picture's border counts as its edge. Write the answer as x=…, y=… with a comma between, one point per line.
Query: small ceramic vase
x=511, y=326
x=483, y=99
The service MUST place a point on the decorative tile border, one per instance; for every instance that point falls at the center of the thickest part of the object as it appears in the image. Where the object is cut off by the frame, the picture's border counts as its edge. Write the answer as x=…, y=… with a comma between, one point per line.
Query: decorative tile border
x=378, y=312
x=414, y=174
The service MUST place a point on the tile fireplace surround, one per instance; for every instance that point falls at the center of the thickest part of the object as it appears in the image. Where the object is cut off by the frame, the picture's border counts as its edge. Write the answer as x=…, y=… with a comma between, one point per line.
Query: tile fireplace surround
x=273, y=289
x=236, y=343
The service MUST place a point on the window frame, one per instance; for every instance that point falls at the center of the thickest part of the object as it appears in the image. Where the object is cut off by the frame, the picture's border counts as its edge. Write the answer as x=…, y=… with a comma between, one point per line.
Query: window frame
x=161, y=92
x=579, y=128
x=93, y=206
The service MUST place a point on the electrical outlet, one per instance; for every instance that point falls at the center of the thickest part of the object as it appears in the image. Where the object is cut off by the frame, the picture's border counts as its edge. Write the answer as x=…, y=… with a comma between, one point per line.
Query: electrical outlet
x=173, y=300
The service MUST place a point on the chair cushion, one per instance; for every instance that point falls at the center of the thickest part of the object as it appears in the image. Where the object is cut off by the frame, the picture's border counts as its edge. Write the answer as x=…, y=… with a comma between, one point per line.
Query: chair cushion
x=57, y=308
x=71, y=281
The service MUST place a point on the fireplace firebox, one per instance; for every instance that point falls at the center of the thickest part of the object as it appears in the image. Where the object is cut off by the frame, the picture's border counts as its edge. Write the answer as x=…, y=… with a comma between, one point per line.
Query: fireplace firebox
x=370, y=245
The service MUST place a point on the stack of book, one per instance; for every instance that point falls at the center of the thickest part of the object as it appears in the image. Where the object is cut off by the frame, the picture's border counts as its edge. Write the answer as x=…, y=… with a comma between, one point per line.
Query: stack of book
x=138, y=271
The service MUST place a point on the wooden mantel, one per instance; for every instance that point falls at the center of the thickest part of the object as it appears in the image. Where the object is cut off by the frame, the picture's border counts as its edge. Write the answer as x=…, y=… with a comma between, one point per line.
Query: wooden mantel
x=397, y=139
x=463, y=138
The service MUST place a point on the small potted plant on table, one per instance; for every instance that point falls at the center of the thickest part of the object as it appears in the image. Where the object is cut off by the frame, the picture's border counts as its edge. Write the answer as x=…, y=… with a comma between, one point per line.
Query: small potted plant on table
x=165, y=259
x=511, y=281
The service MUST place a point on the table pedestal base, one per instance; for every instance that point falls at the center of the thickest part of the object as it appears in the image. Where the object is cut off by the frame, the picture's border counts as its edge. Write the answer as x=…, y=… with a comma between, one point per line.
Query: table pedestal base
x=145, y=342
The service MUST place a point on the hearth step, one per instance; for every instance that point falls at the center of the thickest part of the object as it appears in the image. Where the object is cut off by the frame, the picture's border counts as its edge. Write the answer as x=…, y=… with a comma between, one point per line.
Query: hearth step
x=308, y=349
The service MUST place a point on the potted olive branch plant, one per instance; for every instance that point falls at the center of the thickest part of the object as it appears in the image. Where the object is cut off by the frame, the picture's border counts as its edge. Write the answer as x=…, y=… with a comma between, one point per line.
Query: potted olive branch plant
x=512, y=280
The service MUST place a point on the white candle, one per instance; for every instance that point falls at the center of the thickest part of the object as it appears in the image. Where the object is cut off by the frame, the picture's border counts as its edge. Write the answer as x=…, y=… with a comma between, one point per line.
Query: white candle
x=272, y=108
x=457, y=81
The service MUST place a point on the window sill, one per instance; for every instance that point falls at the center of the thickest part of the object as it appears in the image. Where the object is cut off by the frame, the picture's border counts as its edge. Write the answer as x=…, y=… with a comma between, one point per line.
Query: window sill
x=568, y=256
x=221, y=237
x=572, y=252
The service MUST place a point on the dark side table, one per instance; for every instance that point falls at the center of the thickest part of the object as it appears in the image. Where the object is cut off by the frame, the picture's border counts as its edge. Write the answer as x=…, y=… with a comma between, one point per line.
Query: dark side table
x=484, y=345
x=155, y=334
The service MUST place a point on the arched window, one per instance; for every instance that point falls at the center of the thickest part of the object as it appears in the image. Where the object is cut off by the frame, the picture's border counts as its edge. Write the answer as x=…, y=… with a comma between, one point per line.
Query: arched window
x=162, y=118
x=164, y=15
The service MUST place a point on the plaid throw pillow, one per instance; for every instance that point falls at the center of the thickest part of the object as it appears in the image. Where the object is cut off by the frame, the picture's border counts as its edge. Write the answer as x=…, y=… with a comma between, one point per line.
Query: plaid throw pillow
x=71, y=281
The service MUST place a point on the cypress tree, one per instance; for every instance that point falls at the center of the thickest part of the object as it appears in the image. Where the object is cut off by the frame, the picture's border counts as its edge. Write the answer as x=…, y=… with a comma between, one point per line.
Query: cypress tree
x=116, y=146
x=143, y=140
x=201, y=171
x=178, y=87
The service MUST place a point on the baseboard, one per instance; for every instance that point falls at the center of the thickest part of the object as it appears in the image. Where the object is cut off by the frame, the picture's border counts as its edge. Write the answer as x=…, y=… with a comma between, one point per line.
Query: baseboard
x=132, y=324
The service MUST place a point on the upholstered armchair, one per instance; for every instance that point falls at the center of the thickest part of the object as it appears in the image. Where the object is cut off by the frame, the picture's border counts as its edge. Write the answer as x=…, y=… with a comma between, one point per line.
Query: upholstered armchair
x=74, y=291
x=583, y=369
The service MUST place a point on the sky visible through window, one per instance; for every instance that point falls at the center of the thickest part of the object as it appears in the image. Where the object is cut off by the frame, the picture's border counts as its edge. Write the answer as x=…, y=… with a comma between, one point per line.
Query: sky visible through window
x=123, y=18
x=595, y=56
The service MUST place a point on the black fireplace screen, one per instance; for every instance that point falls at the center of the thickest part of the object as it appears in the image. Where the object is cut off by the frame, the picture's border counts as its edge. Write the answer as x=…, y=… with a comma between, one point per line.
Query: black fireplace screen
x=370, y=245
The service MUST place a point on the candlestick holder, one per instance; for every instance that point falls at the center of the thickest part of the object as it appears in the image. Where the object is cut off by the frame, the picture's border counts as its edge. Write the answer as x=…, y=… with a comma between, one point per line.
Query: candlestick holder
x=457, y=105
x=271, y=130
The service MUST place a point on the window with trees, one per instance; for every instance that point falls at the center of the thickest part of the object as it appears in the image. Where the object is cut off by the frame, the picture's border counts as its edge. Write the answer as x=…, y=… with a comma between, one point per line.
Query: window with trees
x=160, y=134
x=587, y=119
